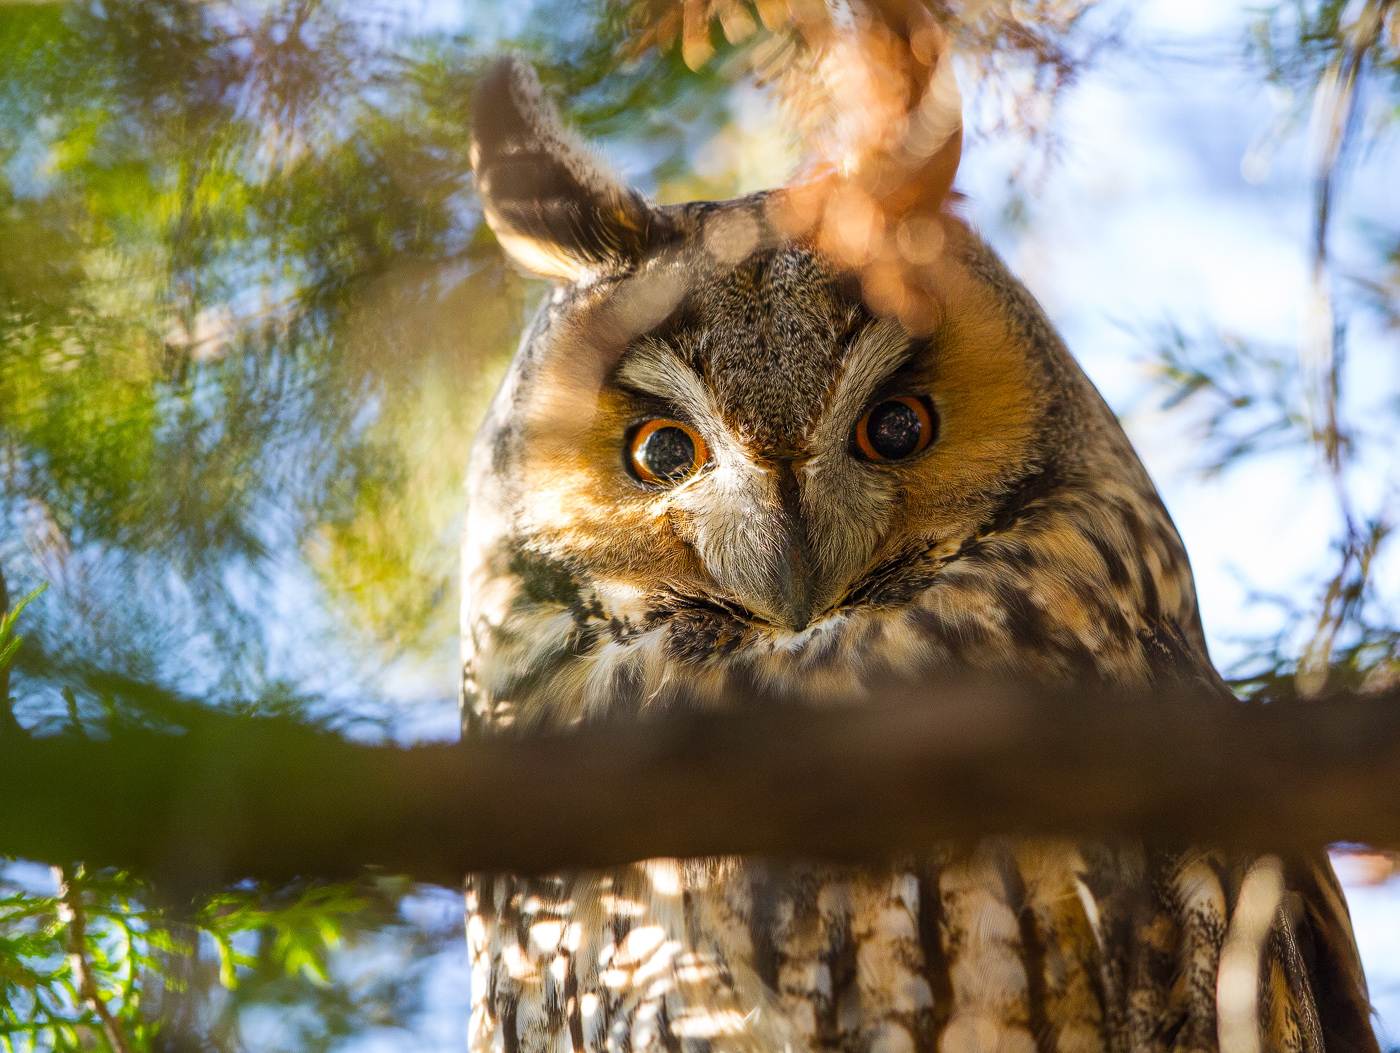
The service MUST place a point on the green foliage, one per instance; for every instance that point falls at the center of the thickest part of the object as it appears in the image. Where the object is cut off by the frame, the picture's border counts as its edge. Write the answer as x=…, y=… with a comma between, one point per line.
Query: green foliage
x=86, y=961
x=44, y=998
x=101, y=961
x=9, y=638
x=254, y=310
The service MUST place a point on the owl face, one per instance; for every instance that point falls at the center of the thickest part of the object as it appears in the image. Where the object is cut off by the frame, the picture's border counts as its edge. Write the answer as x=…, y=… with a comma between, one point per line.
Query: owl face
x=709, y=451
x=767, y=444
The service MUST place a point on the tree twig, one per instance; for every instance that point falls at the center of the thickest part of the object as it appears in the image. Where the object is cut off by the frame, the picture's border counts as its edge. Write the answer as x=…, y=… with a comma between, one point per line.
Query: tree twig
x=73, y=912
x=1319, y=351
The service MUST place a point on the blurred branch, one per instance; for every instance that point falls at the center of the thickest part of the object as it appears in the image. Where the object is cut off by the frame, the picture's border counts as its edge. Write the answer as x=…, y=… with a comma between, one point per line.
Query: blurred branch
x=232, y=798
x=869, y=87
x=1320, y=353
x=1334, y=107
x=7, y=713
x=1247, y=395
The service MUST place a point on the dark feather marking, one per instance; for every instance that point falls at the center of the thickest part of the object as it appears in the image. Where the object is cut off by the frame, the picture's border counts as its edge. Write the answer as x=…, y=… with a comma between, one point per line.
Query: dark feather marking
x=573, y=1006
x=1117, y=899
x=1151, y=599
x=669, y=1038
x=627, y=686
x=621, y=926
x=1036, y=631
x=502, y=448
x=840, y=961
x=556, y=1001
x=1022, y=619
x=1283, y=948
x=1154, y=970
x=1032, y=949
x=936, y=965
x=967, y=634
x=764, y=891
x=894, y=582
x=698, y=628
x=1117, y=625
x=544, y=580
x=1173, y=661
x=509, y=1035
x=1041, y=482
x=1015, y=554
x=1112, y=559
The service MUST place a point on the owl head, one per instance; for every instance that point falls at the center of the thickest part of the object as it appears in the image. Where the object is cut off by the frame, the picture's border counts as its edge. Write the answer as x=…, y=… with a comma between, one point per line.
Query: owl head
x=711, y=449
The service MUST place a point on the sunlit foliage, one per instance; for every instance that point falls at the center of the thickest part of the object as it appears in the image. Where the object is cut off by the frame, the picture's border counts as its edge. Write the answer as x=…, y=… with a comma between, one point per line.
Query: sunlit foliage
x=86, y=961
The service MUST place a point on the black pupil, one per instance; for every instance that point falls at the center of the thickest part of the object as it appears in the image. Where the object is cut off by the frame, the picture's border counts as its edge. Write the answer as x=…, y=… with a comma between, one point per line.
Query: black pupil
x=894, y=430
x=668, y=453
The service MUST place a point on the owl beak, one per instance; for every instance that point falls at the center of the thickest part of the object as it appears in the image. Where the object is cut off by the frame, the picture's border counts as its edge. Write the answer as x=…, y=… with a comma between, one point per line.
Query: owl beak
x=795, y=590
x=755, y=546
x=794, y=579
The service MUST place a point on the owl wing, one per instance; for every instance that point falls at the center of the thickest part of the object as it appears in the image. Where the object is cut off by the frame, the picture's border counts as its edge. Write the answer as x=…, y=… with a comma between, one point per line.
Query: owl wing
x=1321, y=958
x=1328, y=956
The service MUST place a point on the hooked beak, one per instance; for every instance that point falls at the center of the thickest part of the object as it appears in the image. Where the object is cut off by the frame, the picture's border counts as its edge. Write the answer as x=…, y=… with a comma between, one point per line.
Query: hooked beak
x=785, y=594
x=795, y=588
x=755, y=546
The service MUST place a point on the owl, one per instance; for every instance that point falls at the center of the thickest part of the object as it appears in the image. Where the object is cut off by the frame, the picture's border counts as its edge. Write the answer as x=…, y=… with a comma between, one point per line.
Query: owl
x=714, y=472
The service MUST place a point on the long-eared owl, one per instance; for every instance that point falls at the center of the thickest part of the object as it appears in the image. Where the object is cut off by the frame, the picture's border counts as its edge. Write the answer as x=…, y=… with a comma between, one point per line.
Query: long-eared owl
x=713, y=472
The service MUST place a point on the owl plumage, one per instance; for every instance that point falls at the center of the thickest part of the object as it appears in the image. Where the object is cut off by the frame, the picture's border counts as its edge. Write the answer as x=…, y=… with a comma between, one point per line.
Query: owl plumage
x=1016, y=535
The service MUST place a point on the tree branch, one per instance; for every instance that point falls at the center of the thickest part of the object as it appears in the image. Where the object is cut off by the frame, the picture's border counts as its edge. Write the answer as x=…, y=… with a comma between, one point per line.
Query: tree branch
x=233, y=798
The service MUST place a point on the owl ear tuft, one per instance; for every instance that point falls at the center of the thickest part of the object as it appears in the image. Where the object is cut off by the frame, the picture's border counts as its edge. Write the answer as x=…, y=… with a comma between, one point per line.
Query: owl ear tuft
x=555, y=209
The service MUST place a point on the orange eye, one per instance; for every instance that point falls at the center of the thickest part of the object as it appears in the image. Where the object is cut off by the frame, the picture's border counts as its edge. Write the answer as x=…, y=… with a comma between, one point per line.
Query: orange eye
x=667, y=452
x=896, y=429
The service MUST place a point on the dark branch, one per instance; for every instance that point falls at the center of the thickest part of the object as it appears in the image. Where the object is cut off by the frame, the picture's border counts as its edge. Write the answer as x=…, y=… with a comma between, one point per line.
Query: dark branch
x=239, y=798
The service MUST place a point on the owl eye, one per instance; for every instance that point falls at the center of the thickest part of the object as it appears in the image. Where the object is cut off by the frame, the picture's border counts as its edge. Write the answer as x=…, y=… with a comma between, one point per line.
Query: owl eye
x=667, y=452
x=896, y=429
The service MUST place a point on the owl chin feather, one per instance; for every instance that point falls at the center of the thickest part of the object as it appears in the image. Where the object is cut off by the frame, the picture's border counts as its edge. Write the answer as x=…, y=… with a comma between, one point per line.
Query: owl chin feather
x=1024, y=540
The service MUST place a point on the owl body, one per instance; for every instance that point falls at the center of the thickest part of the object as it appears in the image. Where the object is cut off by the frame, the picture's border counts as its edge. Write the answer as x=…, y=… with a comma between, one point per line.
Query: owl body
x=768, y=549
